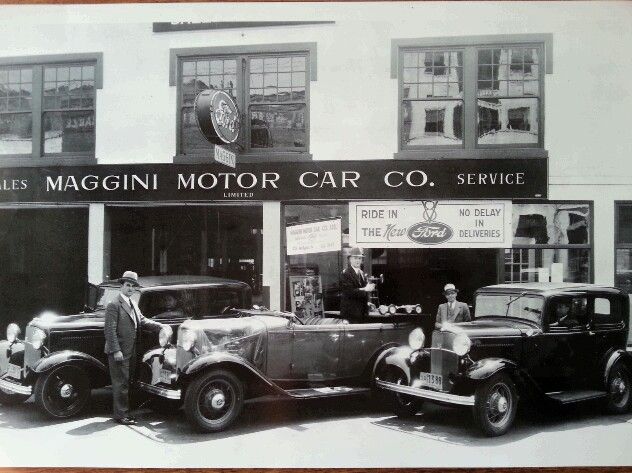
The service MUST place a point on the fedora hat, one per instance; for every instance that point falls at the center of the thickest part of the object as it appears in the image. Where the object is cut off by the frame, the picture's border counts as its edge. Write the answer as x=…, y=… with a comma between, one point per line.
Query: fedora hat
x=449, y=288
x=130, y=276
x=356, y=251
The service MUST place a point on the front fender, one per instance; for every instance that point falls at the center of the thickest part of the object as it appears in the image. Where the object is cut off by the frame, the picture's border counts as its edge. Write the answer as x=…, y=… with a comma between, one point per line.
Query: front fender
x=211, y=360
x=484, y=369
x=68, y=357
x=393, y=357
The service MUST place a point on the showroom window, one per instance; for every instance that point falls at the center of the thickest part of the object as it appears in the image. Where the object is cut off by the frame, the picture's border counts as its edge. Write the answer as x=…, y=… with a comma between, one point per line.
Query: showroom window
x=551, y=241
x=478, y=92
x=48, y=108
x=623, y=246
x=270, y=85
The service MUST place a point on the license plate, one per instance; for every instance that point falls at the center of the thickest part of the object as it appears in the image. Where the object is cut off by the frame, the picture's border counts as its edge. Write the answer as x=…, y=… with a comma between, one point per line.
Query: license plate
x=165, y=376
x=14, y=371
x=430, y=380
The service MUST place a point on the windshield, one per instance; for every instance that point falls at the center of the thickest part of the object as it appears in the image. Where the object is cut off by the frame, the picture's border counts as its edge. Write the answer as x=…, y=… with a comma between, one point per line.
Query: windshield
x=510, y=305
x=100, y=296
x=191, y=302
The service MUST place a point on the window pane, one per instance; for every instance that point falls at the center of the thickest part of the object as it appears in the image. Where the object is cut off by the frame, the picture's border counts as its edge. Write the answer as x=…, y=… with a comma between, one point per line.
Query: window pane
x=551, y=224
x=16, y=134
x=278, y=126
x=522, y=264
x=68, y=131
x=504, y=72
x=625, y=224
x=192, y=140
x=507, y=121
x=68, y=87
x=623, y=276
x=433, y=123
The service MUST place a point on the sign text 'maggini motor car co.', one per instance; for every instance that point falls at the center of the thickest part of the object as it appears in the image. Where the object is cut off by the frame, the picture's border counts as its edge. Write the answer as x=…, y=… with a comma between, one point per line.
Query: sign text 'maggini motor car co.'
x=277, y=181
x=450, y=224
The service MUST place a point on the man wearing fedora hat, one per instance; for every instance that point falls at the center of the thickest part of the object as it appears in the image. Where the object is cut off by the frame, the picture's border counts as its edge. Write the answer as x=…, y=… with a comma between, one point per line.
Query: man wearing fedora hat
x=355, y=288
x=123, y=321
x=453, y=310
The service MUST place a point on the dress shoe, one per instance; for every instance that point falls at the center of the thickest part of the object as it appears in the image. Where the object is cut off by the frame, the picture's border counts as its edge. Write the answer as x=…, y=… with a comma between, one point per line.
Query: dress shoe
x=126, y=421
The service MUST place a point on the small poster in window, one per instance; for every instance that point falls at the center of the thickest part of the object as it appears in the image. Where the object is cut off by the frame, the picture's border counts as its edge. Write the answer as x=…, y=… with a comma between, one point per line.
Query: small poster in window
x=306, y=295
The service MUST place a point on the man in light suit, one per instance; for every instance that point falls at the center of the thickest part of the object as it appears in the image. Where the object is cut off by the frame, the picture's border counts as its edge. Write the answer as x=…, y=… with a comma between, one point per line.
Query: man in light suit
x=452, y=311
x=355, y=288
x=123, y=322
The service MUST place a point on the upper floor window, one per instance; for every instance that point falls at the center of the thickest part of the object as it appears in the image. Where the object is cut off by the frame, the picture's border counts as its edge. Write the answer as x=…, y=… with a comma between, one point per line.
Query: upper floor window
x=463, y=95
x=270, y=88
x=47, y=109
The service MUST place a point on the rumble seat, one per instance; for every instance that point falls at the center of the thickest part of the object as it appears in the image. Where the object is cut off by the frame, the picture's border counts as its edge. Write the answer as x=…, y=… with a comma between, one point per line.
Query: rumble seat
x=323, y=321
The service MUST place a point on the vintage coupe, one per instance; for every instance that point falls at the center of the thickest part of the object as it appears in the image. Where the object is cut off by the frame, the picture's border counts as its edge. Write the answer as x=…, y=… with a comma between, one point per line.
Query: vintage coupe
x=558, y=343
x=219, y=363
x=61, y=357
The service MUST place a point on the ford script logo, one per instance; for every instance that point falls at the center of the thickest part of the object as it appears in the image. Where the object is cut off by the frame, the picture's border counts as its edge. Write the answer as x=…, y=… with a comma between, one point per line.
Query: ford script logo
x=430, y=233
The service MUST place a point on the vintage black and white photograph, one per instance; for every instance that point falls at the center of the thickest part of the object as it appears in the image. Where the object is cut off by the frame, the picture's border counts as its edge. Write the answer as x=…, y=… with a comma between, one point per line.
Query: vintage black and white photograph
x=305, y=235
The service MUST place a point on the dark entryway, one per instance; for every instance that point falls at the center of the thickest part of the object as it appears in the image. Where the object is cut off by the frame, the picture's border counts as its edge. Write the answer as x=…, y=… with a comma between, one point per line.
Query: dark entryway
x=44, y=255
x=418, y=275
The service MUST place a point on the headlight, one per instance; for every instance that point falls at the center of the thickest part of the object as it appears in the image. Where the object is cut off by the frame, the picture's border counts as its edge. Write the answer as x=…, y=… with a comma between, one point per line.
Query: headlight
x=461, y=344
x=164, y=337
x=187, y=340
x=417, y=309
x=13, y=332
x=382, y=309
x=392, y=309
x=37, y=338
x=416, y=339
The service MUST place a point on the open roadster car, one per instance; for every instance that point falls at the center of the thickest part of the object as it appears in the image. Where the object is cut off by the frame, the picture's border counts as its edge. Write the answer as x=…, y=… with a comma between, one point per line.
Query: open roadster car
x=219, y=363
x=61, y=357
x=559, y=343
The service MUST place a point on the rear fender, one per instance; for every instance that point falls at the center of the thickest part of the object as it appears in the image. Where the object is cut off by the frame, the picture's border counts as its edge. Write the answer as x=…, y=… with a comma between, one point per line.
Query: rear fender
x=97, y=371
x=614, y=357
x=485, y=369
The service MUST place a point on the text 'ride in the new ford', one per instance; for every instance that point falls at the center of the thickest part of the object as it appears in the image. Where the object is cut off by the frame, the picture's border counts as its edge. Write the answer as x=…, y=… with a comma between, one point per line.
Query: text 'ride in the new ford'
x=553, y=343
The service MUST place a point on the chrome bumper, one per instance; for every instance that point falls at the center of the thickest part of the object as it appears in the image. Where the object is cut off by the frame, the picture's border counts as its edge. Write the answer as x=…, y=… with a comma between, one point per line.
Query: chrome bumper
x=14, y=387
x=162, y=392
x=426, y=393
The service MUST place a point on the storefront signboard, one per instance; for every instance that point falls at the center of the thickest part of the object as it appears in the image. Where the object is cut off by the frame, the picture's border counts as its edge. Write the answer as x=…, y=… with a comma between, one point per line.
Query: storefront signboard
x=314, y=237
x=386, y=179
x=431, y=223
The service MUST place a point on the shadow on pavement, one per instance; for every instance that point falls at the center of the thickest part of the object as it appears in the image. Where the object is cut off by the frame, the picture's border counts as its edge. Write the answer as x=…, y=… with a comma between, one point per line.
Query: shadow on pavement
x=456, y=425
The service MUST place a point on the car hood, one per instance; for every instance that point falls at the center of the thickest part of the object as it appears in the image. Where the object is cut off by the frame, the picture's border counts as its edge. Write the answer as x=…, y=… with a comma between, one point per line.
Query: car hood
x=51, y=321
x=493, y=327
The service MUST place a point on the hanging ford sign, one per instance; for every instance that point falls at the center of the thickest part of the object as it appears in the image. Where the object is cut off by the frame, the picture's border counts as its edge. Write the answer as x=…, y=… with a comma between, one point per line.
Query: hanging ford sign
x=217, y=116
x=430, y=233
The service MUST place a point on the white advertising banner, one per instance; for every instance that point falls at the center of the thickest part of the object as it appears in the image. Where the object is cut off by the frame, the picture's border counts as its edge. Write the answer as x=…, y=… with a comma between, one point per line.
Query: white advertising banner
x=444, y=224
x=314, y=237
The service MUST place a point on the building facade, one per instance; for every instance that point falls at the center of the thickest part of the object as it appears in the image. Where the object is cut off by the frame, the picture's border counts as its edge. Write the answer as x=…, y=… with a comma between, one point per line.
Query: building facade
x=87, y=91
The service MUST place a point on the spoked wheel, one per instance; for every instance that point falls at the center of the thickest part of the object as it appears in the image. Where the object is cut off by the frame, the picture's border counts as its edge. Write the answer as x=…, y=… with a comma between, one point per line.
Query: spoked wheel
x=8, y=398
x=403, y=406
x=62, y=392
x=619, y=397
x=495, y=406
x=214, y=400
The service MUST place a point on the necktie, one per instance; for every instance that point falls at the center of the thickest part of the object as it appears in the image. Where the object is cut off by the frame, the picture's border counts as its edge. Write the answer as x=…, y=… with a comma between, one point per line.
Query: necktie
x=134, y=314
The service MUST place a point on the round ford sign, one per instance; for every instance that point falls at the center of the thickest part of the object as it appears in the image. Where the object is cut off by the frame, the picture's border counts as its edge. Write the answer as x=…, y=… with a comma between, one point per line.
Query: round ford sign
x=217, y=116
x=430, y=233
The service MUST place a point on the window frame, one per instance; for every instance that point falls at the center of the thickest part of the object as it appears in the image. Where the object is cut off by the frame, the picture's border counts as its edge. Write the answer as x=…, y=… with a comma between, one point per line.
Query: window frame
x=37, y=157
x=619, y=245
x=241, y=54
x=470, y=45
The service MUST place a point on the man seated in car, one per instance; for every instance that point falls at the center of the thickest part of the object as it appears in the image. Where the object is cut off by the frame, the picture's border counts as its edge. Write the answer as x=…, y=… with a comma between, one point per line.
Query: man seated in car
x=568, y=314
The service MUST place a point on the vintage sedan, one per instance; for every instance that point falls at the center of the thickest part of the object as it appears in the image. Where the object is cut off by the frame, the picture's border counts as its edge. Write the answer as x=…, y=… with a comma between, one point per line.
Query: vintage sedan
x=61, y=357
x=219, y=363
x=557, y=343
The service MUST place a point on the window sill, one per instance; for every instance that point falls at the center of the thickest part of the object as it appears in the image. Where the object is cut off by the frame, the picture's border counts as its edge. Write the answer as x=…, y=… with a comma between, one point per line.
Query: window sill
x=28, y=161
x=267, y=157
x=479, y=153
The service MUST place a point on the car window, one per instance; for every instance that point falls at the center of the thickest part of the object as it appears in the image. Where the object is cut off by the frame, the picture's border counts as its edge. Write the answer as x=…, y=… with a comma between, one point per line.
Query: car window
x=509, y=305
x=103, y=295
x=569, y=313
x=606, y=311
x=190, y=302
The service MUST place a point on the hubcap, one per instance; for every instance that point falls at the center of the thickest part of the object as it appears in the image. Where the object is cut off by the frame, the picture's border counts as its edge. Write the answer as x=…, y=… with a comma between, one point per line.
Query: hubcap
x=502, y=405
x=619, y=386
x=66, y=391
x=216, y=399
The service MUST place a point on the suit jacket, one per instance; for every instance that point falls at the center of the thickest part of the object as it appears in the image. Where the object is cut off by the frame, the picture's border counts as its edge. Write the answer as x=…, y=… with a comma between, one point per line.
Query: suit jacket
x=120, y=330
x=354, y=302
x=461, y=313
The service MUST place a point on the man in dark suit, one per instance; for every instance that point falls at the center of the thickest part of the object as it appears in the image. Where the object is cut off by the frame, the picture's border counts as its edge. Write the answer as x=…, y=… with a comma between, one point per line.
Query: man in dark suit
x=123, y=321
x=355, y=288
x=452, y=311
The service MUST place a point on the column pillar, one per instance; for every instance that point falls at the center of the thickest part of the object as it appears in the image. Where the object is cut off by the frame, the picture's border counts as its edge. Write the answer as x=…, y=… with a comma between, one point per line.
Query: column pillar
x=272, y=257
x=96, y=243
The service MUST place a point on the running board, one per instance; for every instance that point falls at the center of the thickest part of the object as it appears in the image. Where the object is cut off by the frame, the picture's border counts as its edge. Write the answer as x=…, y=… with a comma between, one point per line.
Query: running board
x=569, y=397
x=311, y=393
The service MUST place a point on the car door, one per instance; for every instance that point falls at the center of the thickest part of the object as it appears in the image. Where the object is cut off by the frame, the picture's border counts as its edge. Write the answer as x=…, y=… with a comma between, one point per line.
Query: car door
x=316, y=352
x=559, y=356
